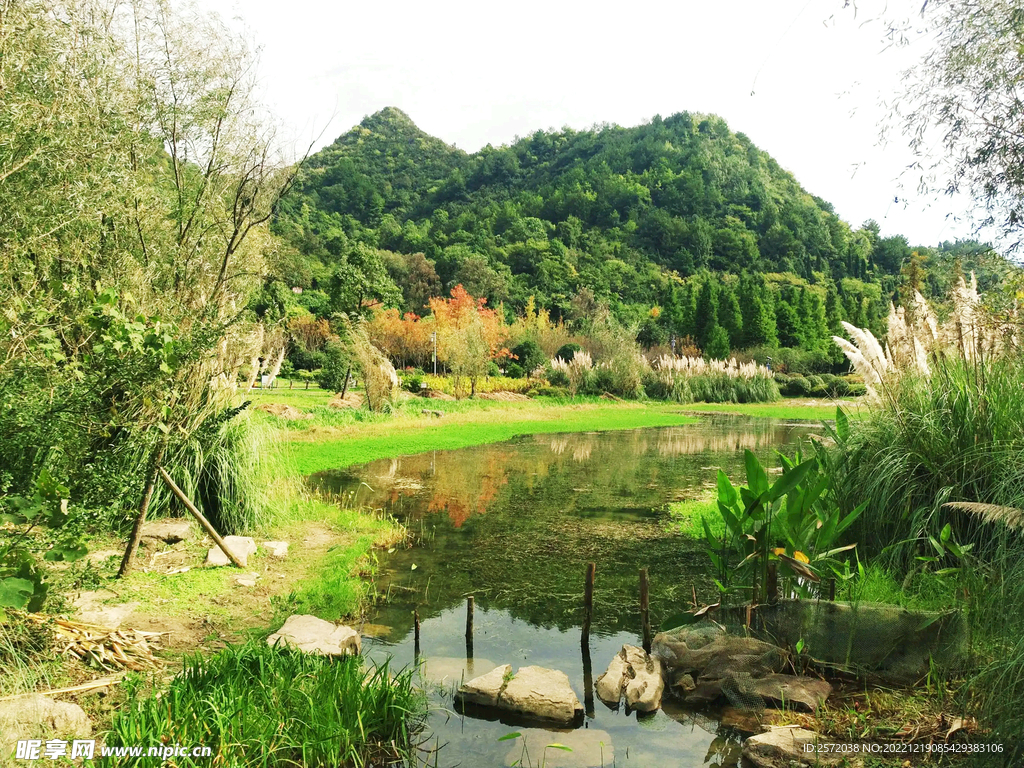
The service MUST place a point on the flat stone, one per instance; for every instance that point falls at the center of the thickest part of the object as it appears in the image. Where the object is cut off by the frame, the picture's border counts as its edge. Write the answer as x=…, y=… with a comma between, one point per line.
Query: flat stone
x=278, y=549
x=37, y=717
x=241, y=546
x=313, y=635
x=787, y=748
x=633, y=674
x=247, y=581
x=167, y=531
x=541, y=693
x=591, y=748
x=485, y=690
x=788, y=690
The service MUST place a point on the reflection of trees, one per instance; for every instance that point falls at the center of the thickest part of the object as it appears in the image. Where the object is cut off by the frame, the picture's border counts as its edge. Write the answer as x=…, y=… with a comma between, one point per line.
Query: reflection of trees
x=580, y=447
x=733, y=441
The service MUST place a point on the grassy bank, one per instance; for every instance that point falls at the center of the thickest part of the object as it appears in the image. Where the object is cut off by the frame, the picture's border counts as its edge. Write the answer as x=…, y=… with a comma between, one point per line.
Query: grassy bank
x=322, y=444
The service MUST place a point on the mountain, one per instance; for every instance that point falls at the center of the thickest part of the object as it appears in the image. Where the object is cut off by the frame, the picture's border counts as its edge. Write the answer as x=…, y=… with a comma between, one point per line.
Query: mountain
x=626, y=213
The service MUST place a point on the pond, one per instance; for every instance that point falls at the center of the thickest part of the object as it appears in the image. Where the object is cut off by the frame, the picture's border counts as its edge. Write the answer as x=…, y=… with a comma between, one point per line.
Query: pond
x=514, y=524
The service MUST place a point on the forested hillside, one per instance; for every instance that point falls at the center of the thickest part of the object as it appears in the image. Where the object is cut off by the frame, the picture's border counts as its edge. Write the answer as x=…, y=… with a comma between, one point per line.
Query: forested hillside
x=679, y=225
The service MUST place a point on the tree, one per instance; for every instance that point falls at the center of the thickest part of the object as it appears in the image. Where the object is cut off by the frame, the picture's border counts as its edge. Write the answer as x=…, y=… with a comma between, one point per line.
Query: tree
x=730, y=315
x=718, y=345
x=469, y=336
x=964, y=95
x=706, y=318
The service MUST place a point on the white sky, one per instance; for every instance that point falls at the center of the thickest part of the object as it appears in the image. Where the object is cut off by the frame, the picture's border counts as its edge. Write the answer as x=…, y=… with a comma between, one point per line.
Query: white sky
x=804, y=88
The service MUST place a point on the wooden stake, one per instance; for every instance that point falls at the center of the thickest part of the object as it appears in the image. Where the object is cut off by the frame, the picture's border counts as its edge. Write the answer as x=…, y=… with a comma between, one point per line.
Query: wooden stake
x=645, y=609
x=469, y=627
x=416, y=634
x=771, y=586
x=199, y=516
x=588, y=682
x=147, y=496
x=588, y=604
x=831, y=589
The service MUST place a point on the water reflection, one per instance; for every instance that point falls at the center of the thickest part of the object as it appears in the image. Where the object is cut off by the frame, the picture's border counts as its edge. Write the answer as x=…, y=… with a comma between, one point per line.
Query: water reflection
x=515, y=524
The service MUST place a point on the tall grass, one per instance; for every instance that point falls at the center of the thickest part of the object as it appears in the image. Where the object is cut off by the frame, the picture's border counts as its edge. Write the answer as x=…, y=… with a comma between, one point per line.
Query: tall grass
x=695, y=380
x=226, y=468
x=954, y=433
x=259, y=706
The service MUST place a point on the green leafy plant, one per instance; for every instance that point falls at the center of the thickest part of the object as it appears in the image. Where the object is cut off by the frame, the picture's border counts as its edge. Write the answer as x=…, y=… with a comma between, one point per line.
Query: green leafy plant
x=21, y=582
x=794, y=522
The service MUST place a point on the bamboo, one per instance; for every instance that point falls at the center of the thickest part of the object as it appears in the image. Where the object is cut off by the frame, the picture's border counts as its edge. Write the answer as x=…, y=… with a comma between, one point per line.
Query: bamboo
x=199, y=516
x=416, y=642
x=588, y=604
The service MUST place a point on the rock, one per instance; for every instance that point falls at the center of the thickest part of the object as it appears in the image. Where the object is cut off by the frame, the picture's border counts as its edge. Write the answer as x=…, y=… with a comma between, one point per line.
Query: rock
x=637, y=676
x=533, y=692
x=786, y=748
x=541, y=693
x=741, y=720
x=241, y=546
x=590, y=748
x=684, y=682
x=278, y=549
x=38, y=717
x=167, y=531
x=248, y=580
x=313, y=635
x=92, y=609
x=788, y=690
x=485, y=690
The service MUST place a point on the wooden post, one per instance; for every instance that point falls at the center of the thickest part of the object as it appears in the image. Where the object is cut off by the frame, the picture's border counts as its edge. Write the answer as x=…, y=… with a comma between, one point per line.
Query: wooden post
x=771, y=586
x=645, y=609
x=416, y=635
x=199, y=516
x=469, y=627
x=831, y=589
x=344, y=387
x=588, y=682
x=133, y=543
x=588, y=604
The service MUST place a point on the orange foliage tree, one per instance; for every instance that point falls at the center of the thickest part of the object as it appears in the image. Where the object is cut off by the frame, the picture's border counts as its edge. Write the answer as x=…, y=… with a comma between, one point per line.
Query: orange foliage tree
x=469, y=337
x=403, y=338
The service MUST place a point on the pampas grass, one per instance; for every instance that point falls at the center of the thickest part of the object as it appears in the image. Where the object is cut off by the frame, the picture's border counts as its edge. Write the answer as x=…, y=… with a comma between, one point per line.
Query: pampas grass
x=694, y=379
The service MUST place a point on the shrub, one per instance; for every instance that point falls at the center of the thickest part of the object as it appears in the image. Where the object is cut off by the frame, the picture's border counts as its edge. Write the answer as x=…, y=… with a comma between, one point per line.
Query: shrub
x=529, y=355
x=560, y=392
x=798, y=387
x=566, y=353
x=514, y=371
x=336, y=367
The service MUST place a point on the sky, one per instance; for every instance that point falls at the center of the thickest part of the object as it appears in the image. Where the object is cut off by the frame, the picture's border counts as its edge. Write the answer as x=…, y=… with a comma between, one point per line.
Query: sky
x=806, y=80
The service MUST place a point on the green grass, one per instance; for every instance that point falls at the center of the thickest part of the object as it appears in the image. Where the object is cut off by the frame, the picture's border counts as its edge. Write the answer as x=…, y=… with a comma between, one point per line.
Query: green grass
x=689, y=514
x=784, y=409
x=253, y=705
x=478, y=426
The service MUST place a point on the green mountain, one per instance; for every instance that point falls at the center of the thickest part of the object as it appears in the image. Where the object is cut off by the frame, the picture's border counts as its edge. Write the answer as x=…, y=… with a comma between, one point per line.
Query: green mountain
x=634, y=217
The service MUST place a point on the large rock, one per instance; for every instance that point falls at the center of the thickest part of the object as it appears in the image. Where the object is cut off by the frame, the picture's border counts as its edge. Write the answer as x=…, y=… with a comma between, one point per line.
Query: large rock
x=792, y=748
x=709, y=665
x=240, y=546
x=38, y=717
x=485, y=690
x=792, y=691
x=313, y=635
x=167, y=531
x=633, y=674
x=533, y=692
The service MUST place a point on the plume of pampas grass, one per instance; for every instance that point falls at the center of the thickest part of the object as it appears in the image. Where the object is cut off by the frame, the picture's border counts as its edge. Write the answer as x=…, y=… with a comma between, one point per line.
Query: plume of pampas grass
x=1011, y=517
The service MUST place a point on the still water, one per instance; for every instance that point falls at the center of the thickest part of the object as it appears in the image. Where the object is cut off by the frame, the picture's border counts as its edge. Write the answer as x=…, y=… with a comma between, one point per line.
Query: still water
x=514, y=524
